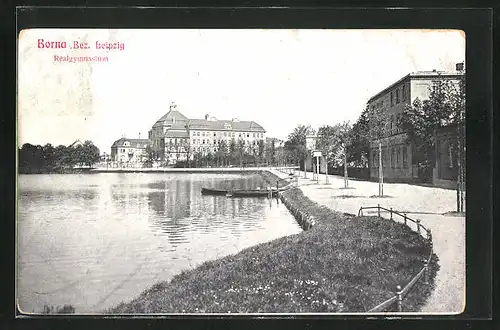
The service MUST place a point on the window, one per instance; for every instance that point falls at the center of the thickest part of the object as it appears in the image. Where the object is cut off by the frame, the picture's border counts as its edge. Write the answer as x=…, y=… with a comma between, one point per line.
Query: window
x=398, y=123
x=404, y=92
x=392, y=99
x=225, y=133
x=215, y=141
x=397, y=96
x=215, y=134
x=248, y=135
x=393, y=158
x=203, y=141
x=375, y=159
x=384, y=157
x=405, y=156
x=392, y=120
x=253, y=134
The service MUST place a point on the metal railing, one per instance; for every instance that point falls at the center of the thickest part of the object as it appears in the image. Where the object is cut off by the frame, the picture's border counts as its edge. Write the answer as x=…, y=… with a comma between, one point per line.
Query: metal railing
x=400, y=293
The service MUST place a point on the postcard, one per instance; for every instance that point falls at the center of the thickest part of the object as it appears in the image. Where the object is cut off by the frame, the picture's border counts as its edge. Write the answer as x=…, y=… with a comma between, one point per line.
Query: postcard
x=240, y=171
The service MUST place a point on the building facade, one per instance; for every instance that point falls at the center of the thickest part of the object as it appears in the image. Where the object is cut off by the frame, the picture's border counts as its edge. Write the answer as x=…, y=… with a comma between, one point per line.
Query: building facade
x=446, y=168
x=397, y=151
x=175, y=137
x=129, y=151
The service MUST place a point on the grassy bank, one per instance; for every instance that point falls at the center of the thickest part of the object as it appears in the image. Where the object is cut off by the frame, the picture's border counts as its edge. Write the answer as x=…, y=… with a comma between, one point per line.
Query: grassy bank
x=343, y=264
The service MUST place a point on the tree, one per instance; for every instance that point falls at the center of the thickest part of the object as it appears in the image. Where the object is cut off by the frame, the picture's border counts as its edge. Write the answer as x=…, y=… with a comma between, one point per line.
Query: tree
x=445, y=106
x=150, y=156
x=233, y=152
x=272, y=152
x=359, y=146
x=89, y=154
x=296, y=144
x=333, y=142
x=343, y=139
x=326, y=144
x=261, y=148
x=241, y=150
x=377, y=130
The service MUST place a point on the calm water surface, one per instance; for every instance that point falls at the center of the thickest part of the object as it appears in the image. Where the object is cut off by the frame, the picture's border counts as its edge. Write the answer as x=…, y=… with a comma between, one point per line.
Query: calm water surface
x=95, y=240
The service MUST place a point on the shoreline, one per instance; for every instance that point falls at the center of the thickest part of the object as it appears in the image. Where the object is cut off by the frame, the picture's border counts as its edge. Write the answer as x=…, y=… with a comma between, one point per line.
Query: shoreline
x=186, y=170
x=343, y=285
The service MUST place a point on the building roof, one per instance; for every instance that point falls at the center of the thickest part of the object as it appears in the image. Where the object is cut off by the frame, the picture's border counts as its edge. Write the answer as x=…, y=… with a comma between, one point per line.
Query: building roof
x=76, y=144
x=172, y=117
x=136, y=143
x=176, y=124
x=417, y=75
x=225, y=125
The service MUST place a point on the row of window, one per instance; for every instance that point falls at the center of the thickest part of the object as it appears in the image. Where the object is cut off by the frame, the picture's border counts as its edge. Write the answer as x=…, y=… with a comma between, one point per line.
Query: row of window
x=228, y=134
x=123, y=150
x=396, y=96
x=398, y=157
x=395, y=124
x=198, y=149
x=396, y=92
x=205, y=141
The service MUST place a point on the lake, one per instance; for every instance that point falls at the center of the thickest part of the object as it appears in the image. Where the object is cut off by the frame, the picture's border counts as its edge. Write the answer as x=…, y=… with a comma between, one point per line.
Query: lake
x=95, y=240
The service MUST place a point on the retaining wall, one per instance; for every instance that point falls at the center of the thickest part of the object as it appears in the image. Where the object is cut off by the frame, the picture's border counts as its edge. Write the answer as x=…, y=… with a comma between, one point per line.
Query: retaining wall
x=305, y=220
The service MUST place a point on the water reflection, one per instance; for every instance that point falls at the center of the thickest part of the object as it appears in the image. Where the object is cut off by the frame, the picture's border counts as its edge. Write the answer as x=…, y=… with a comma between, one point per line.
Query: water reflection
x=93, y=241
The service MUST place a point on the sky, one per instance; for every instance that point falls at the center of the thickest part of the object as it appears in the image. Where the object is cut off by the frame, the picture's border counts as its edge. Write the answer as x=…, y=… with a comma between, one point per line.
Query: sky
x=277, y=78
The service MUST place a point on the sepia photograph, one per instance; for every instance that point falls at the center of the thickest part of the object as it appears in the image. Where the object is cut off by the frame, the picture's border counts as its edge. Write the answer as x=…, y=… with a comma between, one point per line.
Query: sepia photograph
x=240, y=171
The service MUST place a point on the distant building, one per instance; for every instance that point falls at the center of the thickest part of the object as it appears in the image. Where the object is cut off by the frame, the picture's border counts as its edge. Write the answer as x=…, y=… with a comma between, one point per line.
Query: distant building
x=129, y=150
x=176, y=138
x=397, y=151
x=76, y=144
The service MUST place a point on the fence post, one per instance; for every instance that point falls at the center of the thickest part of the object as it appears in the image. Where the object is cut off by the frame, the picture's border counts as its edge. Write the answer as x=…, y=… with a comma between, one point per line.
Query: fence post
x=405, y=219
x=418, y=226
x=378, y=208
x=391, y=213
x=426, y=271
x=399, y=298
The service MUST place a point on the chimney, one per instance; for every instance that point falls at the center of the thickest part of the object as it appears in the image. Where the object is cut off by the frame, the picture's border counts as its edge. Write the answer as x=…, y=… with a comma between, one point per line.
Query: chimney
x=139, y=135
x=206, y=116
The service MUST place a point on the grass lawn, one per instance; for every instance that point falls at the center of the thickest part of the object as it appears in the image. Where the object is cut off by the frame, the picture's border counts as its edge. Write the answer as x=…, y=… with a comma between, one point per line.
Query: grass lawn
x=343, y=264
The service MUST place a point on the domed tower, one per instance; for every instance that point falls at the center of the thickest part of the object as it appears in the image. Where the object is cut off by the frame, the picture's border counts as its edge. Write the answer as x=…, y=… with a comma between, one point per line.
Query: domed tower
x=168, y=135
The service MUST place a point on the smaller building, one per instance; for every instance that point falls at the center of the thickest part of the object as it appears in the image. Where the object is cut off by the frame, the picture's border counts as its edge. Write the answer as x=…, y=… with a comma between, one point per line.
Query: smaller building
x=129, y=151
x=397, y=149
